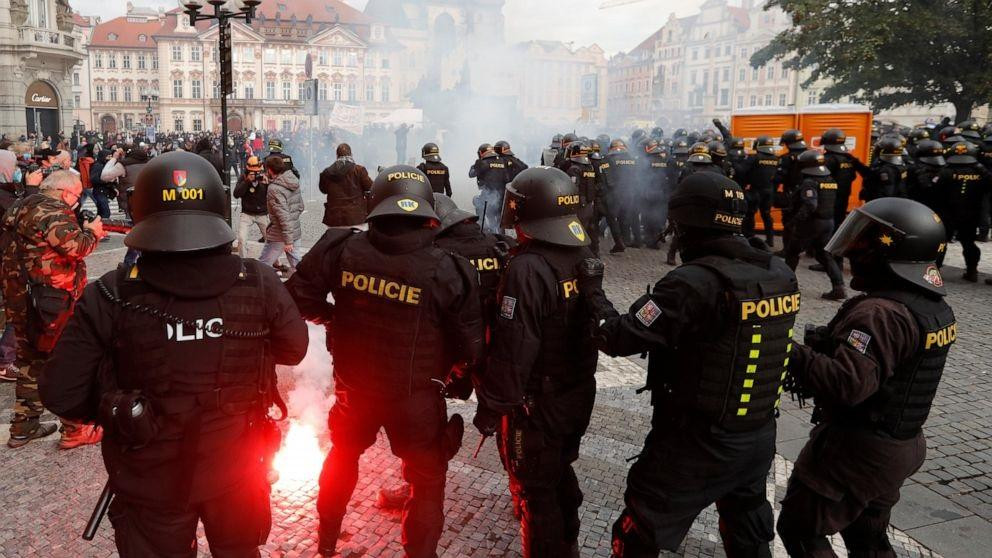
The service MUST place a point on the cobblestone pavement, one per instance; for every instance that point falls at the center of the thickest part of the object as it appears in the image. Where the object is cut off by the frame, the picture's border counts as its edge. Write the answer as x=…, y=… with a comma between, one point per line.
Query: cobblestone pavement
x=47, y=494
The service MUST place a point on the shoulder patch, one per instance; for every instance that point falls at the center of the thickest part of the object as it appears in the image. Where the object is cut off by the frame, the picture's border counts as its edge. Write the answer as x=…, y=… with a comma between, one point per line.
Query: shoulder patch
x=859, y=340
x=648, y=313
x=508, y=307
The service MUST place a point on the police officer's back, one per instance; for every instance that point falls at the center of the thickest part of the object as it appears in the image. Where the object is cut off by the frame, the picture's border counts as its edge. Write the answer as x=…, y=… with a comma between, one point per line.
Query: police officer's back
x=436, y=171
x=760, y=170
x=924, y=184
x=539, y=380
x=887, y=175
x=718, y=331
x=873, y=373
x=404, y=314
x=967, y=184
x=700, y=160
x=843, y=167
x=624, y=192
x=514, y=165
x=189, y=336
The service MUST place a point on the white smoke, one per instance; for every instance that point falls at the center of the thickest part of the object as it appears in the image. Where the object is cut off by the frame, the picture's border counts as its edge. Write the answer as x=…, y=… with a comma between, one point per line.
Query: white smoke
x=309, y=382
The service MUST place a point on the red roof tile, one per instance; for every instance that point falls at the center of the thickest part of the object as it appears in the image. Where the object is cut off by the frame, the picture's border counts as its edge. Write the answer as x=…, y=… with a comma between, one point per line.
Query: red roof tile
x=121, y=33
x=324, y=11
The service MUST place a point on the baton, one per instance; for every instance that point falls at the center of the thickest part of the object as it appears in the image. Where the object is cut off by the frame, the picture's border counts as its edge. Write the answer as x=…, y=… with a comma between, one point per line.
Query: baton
x=478, y=448
x=100, y=510
x=485, y=206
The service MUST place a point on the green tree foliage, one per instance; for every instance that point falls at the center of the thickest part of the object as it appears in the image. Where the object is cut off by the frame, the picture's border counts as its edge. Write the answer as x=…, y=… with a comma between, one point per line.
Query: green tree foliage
x=888, y=53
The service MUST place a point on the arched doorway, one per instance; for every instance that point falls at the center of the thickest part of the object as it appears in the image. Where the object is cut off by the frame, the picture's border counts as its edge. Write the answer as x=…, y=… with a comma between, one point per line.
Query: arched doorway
x=234, y=123
x=108, y=124
x=41, y=107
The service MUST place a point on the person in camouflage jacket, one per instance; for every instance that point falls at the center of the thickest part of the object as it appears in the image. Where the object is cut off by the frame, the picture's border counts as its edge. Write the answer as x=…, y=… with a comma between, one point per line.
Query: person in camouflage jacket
x=45, y=245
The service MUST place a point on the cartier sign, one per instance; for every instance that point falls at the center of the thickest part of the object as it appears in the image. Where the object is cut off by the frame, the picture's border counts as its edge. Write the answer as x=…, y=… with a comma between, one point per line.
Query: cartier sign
x=41, y=95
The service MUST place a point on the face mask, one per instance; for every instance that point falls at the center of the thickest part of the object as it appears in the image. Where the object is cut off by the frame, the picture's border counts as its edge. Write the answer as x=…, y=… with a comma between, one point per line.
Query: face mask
x=18, y=175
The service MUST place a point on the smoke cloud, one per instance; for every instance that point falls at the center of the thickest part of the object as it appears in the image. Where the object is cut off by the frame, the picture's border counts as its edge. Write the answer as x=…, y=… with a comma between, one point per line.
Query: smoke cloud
x=310, y=396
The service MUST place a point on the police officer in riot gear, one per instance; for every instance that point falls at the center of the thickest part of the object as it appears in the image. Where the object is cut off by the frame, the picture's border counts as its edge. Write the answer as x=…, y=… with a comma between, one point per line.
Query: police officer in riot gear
x=539, y=385
x=436, y=171
x=604, y=205
x=916, y=136
x=719, y=154
x=489, y=171
x=788, y=171
x=191, y=333
x=580, y=169
x=625, y=192
x=760, y=170
x=718, y=331
x=966, y=182
x=887, y=175
x=811, y=219
x=405, y=313
x=843, y=168
x=563, y=155
x=873, y=372
x=924, y=184
x=275, y=148
x=700, y=160
x=550, y=154
x=514, y=166
x=655, y=191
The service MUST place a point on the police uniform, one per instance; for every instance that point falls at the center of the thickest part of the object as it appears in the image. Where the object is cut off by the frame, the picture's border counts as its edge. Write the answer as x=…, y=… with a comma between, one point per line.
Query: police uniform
x=191, y=334
x=275, y=148
x=924, y=183
x=580, y=169
x=605, y=206
x=759, y=172
x=843, y=168
x=656, y=191
x=967, y=182
x=873, y=372
x=439, y=175
x=404, y=313
x=718, y=333
x=540, y=372
x=490, y=173
x=624, y=195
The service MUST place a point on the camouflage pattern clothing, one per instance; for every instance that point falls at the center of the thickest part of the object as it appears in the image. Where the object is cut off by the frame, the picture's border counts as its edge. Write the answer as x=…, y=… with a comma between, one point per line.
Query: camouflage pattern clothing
x=49, y=245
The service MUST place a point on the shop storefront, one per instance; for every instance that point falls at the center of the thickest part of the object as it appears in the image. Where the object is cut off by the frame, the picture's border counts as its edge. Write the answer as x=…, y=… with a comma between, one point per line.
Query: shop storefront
x=41, y=108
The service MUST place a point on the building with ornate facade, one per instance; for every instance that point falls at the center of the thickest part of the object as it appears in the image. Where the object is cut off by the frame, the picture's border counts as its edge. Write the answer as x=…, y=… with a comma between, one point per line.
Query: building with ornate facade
x=39, y=46
x=550, y=77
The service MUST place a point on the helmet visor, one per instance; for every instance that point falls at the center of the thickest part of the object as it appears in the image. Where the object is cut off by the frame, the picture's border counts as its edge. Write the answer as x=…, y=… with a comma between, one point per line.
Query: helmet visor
x=512, y=200
x=853, y=233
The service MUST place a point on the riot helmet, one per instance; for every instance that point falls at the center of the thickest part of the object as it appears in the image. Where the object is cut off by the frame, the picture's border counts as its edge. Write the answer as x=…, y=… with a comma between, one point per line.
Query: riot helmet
x=402, y=190
x=595, y=150
x=834, y=140
x=617, y=145
x=718, y=151
x=502, y=147
x=950, y=135
x=700, y=153
x=637, y=135
x=275, y=145
x=680, y=133
x=556, y=141
x=542, y=203
x=657, y=132
x=178, y=205
x=931, y=153
x=692, y=137
x=895, y=234
x=578, y=152
x=962, y=153
x=766, y=145
x=485, y=151
x=970, y=130
x=680, y=147
x=569, y=138
x=918, y=135
x=431, y=153
x=987, y=132
x=708, y=201
x=793, y=140
x=604, y=140
x=813, y=163
x=737, y=146
x=652, y=147
x=890, y=150
x=449, y=213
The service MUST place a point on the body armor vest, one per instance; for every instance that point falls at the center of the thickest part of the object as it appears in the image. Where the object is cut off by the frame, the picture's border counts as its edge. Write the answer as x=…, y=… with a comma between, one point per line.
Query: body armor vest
x=842, y=169
x=487, y=254
x=386, y=341
x=436, y=173
x=902, y=403
x=658, y=171
x=584, y=177
x=762, y=173
x=623, y=173
x=735, y=378
x=566, y=358
x=826, y=197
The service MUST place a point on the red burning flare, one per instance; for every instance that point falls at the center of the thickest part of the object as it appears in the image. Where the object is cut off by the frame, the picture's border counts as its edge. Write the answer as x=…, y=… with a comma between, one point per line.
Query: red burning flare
x=300, y=459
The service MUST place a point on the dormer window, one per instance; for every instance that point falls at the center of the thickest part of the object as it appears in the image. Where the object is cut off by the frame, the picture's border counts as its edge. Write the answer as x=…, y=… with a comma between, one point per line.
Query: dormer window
x=112, y=36
x=142, y=38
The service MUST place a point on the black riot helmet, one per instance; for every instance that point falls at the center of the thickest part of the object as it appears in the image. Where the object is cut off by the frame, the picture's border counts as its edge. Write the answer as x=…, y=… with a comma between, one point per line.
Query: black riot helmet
x=834, y=140
x=402, y=190
x=812, y=163
x=950, y=135
x=604, y=140
x=431, y=153
x=970, y=130
x=637, y=135
x=595, y=150
x=962, y=153
x=930, y=152
x=680, y=133
x=657, y=132
x=178, y=205
x=793, y=140
x=918, y=135
x=766, y=145
x=680, y=147
x=449, y=213
x=275, y=145
x=700, y=153
x=652, y=147
x=568, y=138
x=987, y=132
x=578, y=152
x=718, y=151
x=556, y=141
x=890, y=150
x=737, y=145
x=542, y=203
x=692, y=137
x=485, y=151
x=618, y=145
x=708, y=201
x=905, y=236
x=502, y=147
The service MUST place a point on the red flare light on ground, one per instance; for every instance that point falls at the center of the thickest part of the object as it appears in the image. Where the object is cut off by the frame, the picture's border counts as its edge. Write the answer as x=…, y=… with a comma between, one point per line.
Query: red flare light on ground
x=300, y=458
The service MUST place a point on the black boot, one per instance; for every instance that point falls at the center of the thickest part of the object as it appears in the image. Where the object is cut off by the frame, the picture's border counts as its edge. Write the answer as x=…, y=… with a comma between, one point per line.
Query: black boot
x=817, y=267
x=970, y=276
x=328, y=534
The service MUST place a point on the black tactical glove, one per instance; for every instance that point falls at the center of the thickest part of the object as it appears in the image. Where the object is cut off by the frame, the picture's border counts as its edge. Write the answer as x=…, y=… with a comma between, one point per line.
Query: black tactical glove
x=486, y=421
x=817, y=338
x=459, y=383
x=590, y=271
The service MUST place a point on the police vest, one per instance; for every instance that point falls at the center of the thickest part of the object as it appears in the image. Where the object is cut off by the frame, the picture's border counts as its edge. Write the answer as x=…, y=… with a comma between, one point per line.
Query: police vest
x=567, y=357
x=826, y=197
x=487, y=254
x=437, y=173
x=623, y=172
x=762, y=172
x=385, y=341
x=902, y=403
x=842, y=170
x=734, y=378
x=584, y=177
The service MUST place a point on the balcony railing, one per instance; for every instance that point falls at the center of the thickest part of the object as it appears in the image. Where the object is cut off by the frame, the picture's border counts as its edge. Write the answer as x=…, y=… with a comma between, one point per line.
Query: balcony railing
x=46, y=37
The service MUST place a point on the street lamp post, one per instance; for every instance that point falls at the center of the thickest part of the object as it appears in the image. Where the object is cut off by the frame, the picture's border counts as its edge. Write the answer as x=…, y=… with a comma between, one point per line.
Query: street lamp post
x=242, y=9
x=149, y=95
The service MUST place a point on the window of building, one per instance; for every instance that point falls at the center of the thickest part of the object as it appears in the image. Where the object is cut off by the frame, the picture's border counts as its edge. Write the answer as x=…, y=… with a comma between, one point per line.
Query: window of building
x=141, y=61
x=369, y=60
x=754, y=101
x=338, y=57
x=706, y=53
x=322, y=90
x=113, y=93
x=369, y=92
x=744, y=52
x=177, y=123
x=76, y=101
x=248, y=54
x=128, y=94
x=352, y=92
x=154, y=61
x=286, y=91
x=781, y=100
x=177, y=53
x=196, y=53
x=301, y=57
x=695, y=54
x=111, y=60
x=692, y=77
x=384, y=94
x=126, y=61
x=249, y=90
x=196, y=89
x=754, y=74
x=742, y=75
x=142, y=38
x=128, y=121
x=352, y=59
x=770, y=74
x=99, y=92
x=813, y=98
x=768, y=100
x=197, y=125
x=377, y=32
x=216, y=89
x=726, y=73
x=287, y=126
x=301, y=92
x=337, y=88
x=97, y=60
x=726, y=50
x=38, y=13
x=269, y=55
x=75, y=78
x=740, y=101
x=270, y=90
x=385, y=63
x=785, y=73
x=286, y=56
x=177, y=88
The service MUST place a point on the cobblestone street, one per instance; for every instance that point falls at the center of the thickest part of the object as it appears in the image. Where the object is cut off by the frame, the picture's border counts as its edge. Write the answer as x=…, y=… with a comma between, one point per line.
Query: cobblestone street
x=47, y=494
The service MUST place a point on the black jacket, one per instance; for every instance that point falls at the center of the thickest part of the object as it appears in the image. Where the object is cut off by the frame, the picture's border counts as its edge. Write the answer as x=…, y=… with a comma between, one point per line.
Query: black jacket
x=252, y=195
